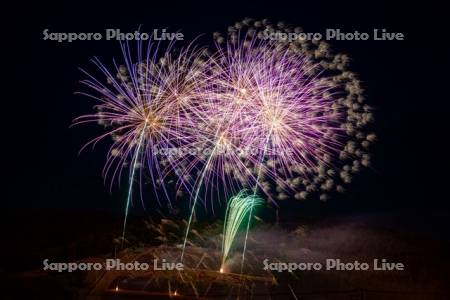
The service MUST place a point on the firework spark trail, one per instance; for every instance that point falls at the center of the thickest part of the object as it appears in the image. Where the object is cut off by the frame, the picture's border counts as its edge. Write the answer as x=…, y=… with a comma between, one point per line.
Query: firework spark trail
x=130, y=188
x=193, y=210
x=255, y=189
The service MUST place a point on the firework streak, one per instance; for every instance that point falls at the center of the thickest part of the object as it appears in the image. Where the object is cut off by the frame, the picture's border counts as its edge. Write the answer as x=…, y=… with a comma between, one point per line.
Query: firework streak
x=238, y=208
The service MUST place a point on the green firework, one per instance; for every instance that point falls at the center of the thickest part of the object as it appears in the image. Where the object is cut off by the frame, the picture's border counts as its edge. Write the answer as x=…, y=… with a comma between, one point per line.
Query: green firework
x=239, y=207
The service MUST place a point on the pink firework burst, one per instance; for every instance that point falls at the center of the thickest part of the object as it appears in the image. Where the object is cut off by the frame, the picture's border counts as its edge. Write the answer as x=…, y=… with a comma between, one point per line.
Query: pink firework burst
x=295, y=111
x=147, y=106
x=270, y=111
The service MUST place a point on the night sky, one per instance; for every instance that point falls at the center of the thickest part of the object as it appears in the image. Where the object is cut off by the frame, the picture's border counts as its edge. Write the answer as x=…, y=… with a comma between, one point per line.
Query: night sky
x=406, y=82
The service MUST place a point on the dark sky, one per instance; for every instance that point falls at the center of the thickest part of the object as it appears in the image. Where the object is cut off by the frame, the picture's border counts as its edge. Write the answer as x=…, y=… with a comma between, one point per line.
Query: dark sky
x=406, y=81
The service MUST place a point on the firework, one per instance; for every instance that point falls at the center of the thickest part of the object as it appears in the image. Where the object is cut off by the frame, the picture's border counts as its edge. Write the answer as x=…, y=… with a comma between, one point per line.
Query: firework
x=239, y=207
x=147, y=107
x=296, y=111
